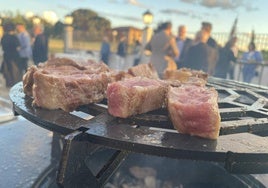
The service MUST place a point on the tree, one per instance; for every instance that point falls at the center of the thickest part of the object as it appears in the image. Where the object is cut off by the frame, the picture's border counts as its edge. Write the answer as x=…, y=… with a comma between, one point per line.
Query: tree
x=89, y=22
x=58, y=30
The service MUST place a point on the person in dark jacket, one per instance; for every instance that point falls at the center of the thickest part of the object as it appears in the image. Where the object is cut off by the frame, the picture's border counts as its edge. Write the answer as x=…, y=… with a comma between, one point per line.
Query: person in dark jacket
x=137, y=52
x=105, y=50
x=214, y=51
x=10, y=65
x=121, y=52
x=198, y=54
x=40, y=45
x=226, y=56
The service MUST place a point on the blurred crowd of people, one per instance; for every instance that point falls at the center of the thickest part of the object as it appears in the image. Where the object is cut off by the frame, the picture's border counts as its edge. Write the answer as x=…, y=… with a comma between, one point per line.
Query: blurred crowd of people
x=169, y=52
x=201, y=53
x=19, y=47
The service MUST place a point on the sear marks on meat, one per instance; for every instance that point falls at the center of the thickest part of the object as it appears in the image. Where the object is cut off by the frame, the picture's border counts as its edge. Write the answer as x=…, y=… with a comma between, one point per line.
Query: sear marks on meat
x=67, y=92
x=28, y=80
x=186, y=75
x=194, y=110
x=119, y=75
x=135, y=96
x=195, y=81
x=66, y=84
x=143, y=70
x=64, y=65
x=61, y=67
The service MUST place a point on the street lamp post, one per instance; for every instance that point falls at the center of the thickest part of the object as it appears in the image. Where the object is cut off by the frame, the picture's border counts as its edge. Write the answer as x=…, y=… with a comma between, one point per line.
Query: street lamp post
x=114, y=33
x=68, y=33
x=1, y=28
x=147, y=31
x=147, y=18
x=36, y=20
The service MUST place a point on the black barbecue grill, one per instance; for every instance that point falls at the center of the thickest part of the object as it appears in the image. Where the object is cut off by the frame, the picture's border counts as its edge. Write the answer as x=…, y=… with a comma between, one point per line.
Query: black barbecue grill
x=242, y=146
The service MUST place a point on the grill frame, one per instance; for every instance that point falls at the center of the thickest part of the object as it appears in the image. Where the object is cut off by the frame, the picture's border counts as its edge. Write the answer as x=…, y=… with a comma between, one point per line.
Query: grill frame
x=241, y=146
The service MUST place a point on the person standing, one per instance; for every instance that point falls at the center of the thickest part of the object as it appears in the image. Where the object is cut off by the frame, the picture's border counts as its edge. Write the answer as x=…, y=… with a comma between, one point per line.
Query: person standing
x=197, y=57
x=137, y=52
x=40, y=45
x=250, y=58
x=25, y=50
x=234, y=49
x=122, y=52
x=105, y=50
x=226, y=57
x=214, y=51
x=183, y=44
x=10, y=45
x=164, y=49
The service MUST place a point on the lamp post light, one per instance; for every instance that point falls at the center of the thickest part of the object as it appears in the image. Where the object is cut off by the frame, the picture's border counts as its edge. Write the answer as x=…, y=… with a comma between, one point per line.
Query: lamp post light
x=147, y=18
x=147, y=32
x=68, y=33
x=36, y=20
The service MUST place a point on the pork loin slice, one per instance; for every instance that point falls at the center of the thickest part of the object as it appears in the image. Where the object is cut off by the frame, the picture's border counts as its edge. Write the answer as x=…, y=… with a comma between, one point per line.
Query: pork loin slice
x=185, y=75
x=67, y=92
x=28, y=80
x=144, y=70
x=88, y=66
x=62, y=67
x=135, y=96
x=194, y=110
x=119, y=75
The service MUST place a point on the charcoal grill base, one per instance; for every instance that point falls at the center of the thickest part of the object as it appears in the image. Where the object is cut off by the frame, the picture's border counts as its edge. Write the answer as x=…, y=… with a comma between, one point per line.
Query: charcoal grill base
x=182, y=173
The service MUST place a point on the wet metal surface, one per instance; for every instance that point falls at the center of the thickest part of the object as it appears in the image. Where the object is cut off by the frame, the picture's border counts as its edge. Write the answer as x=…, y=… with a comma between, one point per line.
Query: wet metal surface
x=25, y=153
x=243, y=109
x=6, y=113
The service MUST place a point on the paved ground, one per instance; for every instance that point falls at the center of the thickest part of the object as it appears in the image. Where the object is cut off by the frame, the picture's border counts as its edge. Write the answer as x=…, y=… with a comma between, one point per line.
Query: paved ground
x=25, y=147
x=25, y=153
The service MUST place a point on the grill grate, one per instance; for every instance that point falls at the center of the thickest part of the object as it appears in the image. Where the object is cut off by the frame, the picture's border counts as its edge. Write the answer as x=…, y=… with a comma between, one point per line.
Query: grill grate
x=244, y=128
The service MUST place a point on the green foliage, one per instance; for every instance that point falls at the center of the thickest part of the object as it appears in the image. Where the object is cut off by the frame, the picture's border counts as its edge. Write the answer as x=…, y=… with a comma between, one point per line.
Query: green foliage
x=265, y=55
x=88, y=21
x=58, y=30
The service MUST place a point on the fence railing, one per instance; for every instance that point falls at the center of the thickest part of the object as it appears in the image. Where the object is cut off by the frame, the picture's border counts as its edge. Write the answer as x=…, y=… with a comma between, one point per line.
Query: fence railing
x=261, y=40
